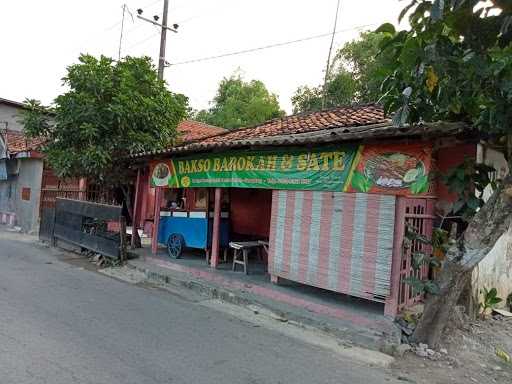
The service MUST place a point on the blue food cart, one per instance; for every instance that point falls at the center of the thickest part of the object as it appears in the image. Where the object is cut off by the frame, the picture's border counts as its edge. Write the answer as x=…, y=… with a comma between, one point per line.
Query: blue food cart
x=186, y=221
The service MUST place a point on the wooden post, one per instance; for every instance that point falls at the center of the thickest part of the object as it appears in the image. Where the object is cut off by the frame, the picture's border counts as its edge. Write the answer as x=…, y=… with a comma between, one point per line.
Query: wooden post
x=122, y=242
x=216, y=228
x=156, y=220
x=391, y=305
x=53, y=239
x=136, y=211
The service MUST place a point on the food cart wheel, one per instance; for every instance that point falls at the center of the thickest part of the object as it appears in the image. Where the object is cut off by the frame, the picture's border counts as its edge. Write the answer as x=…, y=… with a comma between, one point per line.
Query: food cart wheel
x=175, y=245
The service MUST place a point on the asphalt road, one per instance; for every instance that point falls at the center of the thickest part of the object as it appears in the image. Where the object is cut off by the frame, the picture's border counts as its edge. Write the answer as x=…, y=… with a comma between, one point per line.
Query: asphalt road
x=62, y=324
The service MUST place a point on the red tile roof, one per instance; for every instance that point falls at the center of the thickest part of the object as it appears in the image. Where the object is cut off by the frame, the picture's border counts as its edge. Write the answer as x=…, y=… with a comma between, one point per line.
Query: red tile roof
x=346, y=116
x=344, y=123
x=192, y=130
x=17, y=142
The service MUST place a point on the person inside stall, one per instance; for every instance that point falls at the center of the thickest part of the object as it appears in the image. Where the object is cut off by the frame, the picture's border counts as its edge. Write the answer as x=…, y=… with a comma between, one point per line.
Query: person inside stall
x=174, y=199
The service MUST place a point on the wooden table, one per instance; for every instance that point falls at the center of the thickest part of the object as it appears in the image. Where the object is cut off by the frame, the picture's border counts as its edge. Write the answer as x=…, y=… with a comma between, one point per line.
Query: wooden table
x=241, y=249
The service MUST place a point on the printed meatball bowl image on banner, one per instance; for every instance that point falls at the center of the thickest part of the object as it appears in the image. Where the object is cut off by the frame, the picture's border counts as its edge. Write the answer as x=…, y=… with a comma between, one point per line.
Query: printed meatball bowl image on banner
x=162, y=174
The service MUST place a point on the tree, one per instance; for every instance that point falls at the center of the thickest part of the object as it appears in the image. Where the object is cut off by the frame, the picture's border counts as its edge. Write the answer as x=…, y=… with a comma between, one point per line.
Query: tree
x=111, y=110
x=455, y=64
x=340, y=90
x=355, y=76
x=239, y=104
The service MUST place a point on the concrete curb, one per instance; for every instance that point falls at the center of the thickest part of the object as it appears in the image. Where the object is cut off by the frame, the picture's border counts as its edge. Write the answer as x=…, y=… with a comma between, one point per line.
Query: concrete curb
x=347, y=336
x=181, y=280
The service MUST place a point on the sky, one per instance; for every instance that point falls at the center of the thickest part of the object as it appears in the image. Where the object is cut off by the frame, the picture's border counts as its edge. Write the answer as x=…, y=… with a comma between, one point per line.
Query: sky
x=39, y=39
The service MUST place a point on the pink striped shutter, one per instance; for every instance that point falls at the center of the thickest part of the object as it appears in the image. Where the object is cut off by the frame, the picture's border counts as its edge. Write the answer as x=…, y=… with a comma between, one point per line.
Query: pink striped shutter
x=334, y=240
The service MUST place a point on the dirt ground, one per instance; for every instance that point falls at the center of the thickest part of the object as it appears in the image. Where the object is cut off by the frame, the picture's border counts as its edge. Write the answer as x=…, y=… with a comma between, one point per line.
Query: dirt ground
x=470, y=358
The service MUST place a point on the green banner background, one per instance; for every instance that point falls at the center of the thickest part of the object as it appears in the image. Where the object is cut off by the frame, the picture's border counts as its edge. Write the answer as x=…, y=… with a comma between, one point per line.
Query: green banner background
x=319, y=169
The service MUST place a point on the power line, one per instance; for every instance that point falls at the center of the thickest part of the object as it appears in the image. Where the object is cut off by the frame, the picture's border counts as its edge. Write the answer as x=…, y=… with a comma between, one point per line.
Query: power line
x=151, y=4
x=153, y=35
x=267, y=46
x=112, y=26
x=329, y=55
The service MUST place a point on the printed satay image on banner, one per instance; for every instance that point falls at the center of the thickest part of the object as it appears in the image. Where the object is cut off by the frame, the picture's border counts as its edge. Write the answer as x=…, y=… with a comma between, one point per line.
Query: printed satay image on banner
x=400, y=169
x=321, y=169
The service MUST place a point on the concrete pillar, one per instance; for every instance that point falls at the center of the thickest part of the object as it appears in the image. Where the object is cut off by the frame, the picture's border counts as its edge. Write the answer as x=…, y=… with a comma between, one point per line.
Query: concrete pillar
x=82, y=189
x=156, y=220
x=216, y=228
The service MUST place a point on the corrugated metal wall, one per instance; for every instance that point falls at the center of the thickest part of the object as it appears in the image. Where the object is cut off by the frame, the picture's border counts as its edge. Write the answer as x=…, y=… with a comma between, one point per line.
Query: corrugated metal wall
x=338, y=241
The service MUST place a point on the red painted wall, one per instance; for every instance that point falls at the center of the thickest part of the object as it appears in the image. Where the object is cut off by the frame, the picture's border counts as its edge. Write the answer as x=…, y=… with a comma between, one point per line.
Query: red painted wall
x=448, y=158
x=250, y=211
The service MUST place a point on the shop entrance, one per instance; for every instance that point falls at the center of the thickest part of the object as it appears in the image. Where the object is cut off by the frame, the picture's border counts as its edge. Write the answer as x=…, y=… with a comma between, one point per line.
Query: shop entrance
x=250, y=213
x=186, y=225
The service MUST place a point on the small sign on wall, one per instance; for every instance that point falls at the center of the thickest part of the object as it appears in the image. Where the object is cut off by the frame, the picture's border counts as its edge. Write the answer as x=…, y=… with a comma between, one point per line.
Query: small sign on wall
x=25, y=194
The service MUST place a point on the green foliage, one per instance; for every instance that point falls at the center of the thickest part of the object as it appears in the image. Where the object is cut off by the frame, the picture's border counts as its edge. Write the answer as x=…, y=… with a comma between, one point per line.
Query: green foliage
x=240, y=104
x=111, y=110
x=340, y=90
x=468, y=180
x=491, y=299
x=453, y=64
x=440, y=239
x=355, y=75
x=419, y=258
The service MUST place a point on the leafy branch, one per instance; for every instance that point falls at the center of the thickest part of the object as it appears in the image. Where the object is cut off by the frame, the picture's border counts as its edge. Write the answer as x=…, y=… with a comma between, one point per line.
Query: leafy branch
x=419, y=259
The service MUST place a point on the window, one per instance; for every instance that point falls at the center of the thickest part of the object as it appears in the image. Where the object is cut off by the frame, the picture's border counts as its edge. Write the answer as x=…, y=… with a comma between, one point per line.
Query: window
x=201, y=198
x=25, y=194
x=174, y=199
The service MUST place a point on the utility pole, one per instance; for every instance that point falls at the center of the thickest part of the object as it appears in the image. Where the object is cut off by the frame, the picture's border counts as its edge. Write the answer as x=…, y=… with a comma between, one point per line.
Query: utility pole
x=324, y=90
x=163, y=35
x=121, y=35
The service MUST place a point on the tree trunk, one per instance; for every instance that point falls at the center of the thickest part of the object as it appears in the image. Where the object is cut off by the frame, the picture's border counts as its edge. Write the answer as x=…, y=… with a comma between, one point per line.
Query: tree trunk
x=452, y=280
x=485, y=228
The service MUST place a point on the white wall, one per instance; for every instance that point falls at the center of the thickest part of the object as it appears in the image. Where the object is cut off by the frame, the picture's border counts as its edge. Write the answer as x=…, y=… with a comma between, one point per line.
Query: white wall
x=11, y=202
x=494, y=159
x=10, y=115
x=30, y=176
x=495, y=270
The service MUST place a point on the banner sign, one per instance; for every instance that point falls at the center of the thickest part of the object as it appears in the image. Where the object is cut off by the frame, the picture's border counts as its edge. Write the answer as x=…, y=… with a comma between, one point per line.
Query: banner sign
x=392, y=169
x=319, y=169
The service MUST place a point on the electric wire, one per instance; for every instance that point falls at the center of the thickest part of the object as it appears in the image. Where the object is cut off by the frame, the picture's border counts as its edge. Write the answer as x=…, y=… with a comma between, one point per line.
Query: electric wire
x=249, y=50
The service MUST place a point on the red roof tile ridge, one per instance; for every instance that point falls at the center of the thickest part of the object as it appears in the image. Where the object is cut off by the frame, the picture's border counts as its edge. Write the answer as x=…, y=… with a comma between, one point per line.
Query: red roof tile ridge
x=17, y=141
x=206, y=125
x=354, y=106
